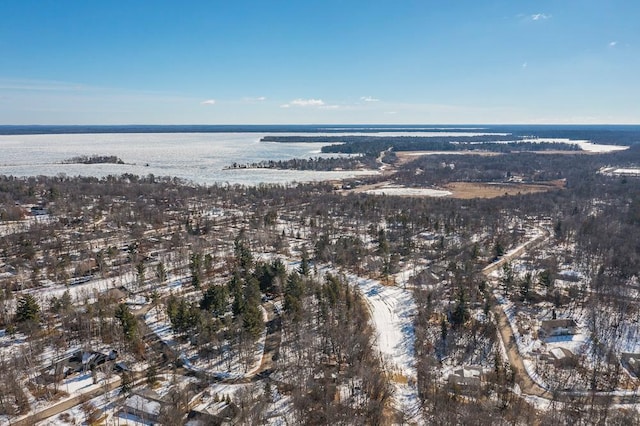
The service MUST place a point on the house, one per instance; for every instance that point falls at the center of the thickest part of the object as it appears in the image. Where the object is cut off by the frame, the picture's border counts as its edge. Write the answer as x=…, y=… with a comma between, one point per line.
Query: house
x=557, y=327
x=466, y=376
x=88, y=360
x=142, y=407
x=217, y=413
x=561, y=357
x=631, y=361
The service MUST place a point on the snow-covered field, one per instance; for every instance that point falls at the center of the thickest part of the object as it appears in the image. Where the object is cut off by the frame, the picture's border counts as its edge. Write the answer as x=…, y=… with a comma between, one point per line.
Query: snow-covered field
x=584, y=145
x=620, y=171
x=404, y=191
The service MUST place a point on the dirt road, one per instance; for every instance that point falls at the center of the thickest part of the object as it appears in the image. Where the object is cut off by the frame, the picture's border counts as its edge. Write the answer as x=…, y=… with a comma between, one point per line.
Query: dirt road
x=523, y=379
x=66, y=404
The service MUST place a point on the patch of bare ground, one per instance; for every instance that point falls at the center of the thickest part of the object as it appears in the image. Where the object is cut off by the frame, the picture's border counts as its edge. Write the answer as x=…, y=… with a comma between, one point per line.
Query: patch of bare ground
x=467, y=190
x=406, y=156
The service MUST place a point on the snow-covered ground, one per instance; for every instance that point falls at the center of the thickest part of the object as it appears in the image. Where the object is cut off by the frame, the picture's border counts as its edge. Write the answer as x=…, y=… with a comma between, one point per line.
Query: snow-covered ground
x=584, y=145
x=620, y=171
x=404, y=191
x=226, y=367
x=392, y=311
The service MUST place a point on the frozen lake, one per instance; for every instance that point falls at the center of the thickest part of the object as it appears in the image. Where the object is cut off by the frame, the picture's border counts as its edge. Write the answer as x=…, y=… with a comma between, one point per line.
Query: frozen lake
x=197, y=157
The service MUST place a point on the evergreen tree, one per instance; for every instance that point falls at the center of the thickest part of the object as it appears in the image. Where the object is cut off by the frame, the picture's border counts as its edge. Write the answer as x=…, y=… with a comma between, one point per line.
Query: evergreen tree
x=195, y=266
x=507, y=279
x=498, y=250
x=215, y=300
x=525, y=286
x=127, y=321
x=304, y=263
x=161, y=272
x=140, y=271
x=252, y=320
x=242, y=253
x=545, y=278
x=460, y=314
x=28, y=309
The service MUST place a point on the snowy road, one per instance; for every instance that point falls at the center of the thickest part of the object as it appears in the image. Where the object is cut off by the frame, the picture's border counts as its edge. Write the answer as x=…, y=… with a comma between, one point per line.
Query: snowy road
x=392, y=310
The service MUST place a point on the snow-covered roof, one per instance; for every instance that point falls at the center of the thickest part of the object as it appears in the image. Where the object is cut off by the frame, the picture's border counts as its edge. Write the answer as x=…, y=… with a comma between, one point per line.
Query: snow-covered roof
x=557, y=353
x=469, y=372
x=136, y=402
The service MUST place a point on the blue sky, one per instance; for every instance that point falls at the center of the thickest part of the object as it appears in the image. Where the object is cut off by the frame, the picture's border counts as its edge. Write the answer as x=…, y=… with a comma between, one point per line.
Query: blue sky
x=319, y=61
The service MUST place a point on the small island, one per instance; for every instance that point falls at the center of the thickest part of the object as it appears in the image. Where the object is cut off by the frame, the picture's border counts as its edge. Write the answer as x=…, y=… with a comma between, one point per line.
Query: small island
x=94, y=159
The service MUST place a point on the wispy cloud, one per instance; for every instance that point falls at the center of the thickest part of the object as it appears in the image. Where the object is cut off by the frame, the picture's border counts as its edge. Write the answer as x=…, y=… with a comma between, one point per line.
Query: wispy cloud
x=391, y=112
x=43, y=86
x=369, y=99
x=307, y=102
x=540, y=17
x=255, y=99
x=613, y=44
x=524, y=65
x=318, y=103
x=208, y=102
x=329, y=107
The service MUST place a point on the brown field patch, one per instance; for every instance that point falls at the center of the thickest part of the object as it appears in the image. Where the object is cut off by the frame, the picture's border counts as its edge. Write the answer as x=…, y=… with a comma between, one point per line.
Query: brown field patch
x=467, y=190
x=406, y=156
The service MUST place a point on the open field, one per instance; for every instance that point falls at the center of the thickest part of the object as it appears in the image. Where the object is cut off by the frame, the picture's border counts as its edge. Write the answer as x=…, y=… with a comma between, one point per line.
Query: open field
x=463, y=190
x=406, y=156
x=467, y=190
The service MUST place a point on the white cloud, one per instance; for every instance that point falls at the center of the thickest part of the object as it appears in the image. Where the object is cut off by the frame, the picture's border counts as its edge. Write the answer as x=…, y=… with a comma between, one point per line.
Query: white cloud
x=285, y=106
x=524, y=65
x=256, y=99
x=208, y=102
x=329, y=106
x=307, y=102
x=613, y=44
x=540, y=17
x=369, y=99
x=391, y=112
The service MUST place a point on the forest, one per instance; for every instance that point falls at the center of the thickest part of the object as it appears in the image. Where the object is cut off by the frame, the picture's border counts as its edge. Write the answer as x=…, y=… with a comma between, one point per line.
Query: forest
x=263, y=302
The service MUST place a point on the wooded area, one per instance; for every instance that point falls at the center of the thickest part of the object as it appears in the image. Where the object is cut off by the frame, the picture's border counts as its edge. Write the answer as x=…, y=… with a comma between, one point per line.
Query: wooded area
x=226, y=267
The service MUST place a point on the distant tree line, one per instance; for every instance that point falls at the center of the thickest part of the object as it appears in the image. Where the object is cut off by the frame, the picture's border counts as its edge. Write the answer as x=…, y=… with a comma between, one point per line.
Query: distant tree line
x=315, y=164
x=371, y=145
x=94, y=159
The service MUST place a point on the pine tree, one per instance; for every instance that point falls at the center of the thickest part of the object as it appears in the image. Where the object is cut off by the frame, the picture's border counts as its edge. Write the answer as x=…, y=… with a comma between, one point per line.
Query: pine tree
x=304, y=263
x=28, y=309
x=161, y=272
x=252, y=320
x=195, y=265
x=127, y=321
x=215, y=300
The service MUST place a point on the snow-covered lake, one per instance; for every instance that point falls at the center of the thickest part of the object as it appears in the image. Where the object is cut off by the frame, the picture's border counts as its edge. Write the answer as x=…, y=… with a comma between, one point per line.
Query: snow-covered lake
x=197, y=157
